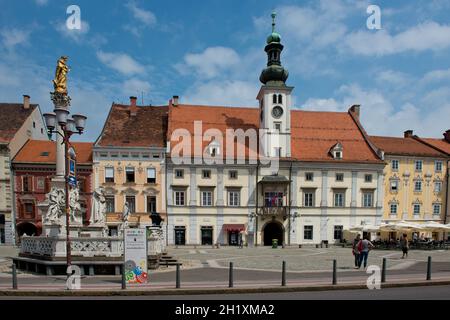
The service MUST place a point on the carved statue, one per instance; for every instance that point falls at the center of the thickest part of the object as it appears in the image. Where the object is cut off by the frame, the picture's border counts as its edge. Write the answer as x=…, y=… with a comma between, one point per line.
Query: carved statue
x=60, y=81
x=56, y=200
x=74, y=205
x=99, y=209
x=125, y=216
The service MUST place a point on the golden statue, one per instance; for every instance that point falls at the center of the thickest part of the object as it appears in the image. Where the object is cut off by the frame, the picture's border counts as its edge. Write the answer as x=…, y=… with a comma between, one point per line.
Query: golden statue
x=60, y=81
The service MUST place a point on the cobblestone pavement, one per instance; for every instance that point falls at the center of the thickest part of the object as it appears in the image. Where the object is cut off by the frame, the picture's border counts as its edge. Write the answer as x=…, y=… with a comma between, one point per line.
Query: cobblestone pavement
x=299, y=259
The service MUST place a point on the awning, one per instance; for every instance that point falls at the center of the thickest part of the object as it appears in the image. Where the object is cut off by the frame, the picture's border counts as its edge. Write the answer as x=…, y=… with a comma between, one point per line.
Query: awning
x=233, y=227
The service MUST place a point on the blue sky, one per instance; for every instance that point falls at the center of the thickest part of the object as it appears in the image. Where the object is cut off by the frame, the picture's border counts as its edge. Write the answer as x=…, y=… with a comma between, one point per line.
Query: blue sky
x=211, y=52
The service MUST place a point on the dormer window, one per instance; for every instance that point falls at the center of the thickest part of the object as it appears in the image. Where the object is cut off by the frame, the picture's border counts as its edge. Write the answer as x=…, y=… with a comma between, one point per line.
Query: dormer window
x=337, y=151
x=214, y=148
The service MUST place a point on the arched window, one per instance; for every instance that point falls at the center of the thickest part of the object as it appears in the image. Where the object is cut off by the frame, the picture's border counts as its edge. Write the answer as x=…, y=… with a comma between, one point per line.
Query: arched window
x=280, y=98
x=274, y=98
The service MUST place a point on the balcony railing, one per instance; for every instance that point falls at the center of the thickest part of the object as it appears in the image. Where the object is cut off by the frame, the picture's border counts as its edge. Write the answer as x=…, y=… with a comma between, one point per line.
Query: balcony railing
x=273, y=211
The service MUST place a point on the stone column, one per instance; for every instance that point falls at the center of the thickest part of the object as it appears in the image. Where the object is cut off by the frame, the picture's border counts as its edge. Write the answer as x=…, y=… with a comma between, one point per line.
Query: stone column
x=324, y=205
x=220, y=201
x=353, y=198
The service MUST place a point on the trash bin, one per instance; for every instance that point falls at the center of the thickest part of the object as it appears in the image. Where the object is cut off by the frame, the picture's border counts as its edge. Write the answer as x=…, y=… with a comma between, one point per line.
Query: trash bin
x=274, y=243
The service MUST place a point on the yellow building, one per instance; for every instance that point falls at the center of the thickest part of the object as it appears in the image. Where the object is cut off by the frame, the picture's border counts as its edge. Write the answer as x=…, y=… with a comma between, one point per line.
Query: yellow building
x=129, y=163
x=415, y=180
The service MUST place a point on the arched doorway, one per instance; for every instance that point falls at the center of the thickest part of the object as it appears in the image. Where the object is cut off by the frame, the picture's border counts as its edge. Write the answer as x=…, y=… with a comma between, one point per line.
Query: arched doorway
x=273, y=230
x=26, y=227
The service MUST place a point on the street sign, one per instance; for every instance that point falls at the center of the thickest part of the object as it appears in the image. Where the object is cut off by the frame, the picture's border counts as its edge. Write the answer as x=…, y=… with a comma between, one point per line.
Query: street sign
x=135, y=256
x=72, y=178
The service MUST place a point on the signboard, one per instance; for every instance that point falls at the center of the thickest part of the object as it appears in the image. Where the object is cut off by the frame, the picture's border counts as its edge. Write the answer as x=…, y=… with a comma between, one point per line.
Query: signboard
x=72, y=177
x=135, y=256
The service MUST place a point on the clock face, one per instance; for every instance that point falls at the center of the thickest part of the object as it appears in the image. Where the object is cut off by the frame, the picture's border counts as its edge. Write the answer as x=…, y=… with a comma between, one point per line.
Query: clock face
x=277, y=112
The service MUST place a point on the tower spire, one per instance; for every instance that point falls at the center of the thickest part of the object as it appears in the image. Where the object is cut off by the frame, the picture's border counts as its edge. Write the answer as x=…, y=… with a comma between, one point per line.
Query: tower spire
x=274, y=14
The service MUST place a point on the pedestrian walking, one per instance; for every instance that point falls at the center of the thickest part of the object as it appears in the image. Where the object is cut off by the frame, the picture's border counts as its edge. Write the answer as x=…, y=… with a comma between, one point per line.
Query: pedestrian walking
x=355, y=250
x=404, y=244
x=364, y=246
x=241, y=240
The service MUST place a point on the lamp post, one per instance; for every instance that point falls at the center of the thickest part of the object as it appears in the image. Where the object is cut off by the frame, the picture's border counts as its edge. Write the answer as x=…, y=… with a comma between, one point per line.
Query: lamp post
x=60, y=123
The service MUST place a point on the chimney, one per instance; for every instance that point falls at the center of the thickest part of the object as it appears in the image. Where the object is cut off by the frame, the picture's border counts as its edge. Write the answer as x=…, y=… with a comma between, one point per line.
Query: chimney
x=355, y=109
x=175, y=101
x=447, y=135
x=133, y=107
x=408, y=134
x=26, y=101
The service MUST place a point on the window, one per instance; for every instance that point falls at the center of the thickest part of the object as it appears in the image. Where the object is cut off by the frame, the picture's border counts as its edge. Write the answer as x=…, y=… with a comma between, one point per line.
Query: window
x=309, y=176
x=436, y=208
x=368, y=199
x=179, y=173
x=394, y=185
x=438, y=166
x=29, y=208
x=338, y=155
x=34, y=124
x=416, y=208
x=151, y=175
x=277, y=126
x=273, y=199
x=394, y=207
x=339, y=177
x=129, y=174
x=280, y=98
x=233, y=174
x=274, y=98
x=234, y=198
x=155, y=156
x=179, y=198
x=135, y=155
x=437, y=186
x=418, y=186
x=394, y=165
x=367, y=178
x=109, y=202
x=131, y=202
x=308, y=199
x=151, y=204
x=339, y=199
x=109, y=174
x=206, y=174
x=308, y=232
x=338, y=232
x=82, y=185
x=27, y=183
x=418, y=165
x=206, y=198
x=213, y=151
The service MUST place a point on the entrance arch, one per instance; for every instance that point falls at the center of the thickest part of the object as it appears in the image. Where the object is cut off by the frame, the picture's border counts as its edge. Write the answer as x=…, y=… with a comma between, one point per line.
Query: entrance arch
x=26, y=227
x=273, y=230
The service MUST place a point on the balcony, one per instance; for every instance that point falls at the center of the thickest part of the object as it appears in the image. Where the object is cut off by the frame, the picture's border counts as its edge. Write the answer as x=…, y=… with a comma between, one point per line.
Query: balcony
x=273, y=211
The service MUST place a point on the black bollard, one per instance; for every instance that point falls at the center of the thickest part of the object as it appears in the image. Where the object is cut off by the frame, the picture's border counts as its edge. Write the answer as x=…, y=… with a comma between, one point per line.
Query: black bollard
x=334, y=272
x=429, y=268
x=230, y=276
x=283, y=274
x=177, y=284
x=14, y=276
x=124, y=282
x=383, y=271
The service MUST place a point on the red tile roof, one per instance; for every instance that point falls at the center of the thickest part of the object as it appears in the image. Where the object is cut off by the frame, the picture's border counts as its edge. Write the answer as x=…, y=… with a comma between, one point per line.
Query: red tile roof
x=441, y=144
x=44, y=152
x=12, y=117
x=147, y=128
x=405, y=146
x=312, y=133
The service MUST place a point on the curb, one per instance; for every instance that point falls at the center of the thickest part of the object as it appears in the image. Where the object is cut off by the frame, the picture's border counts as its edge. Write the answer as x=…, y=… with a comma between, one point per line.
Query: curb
x=202, y=291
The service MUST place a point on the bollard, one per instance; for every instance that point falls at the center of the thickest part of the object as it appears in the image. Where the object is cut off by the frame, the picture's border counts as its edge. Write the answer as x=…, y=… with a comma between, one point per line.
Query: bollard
x=283, y=274
x=383, y=271
x=14, y=276
x=334, y=272
x=230, y=276
x=124, y=282
x=429, y=268
x=177, y=284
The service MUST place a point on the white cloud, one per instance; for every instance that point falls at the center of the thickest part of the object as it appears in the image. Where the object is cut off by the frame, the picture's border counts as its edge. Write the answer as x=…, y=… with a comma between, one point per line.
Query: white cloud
x=144, y=16
x=436, y=75
x=425, y=36
x=77, y=35
x=41, y=2
x=121, y=62
x=135, y=87
x=210, y=63
x=13, y=37
x=232, y=93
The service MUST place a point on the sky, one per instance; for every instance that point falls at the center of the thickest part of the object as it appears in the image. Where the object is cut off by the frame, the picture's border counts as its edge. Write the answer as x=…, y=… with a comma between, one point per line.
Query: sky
x=212, y=52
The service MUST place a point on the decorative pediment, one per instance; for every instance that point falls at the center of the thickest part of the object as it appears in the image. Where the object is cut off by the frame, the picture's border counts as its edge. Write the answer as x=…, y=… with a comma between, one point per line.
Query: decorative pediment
x=394, y=201
x=417, y=201
x=110, y=191
x=418, y=178
x=151, y=191
x=130, y=191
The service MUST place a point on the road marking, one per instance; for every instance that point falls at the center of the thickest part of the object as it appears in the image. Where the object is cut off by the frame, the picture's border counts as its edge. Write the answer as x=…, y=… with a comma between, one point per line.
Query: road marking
x=203, y=251
x=192, y=251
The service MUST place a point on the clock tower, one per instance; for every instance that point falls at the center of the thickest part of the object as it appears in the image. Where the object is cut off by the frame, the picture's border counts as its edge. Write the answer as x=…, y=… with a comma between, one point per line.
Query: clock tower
x=275, y=100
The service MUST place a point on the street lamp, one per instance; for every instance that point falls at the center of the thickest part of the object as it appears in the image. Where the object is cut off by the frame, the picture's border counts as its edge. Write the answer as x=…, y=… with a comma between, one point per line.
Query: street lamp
x=69, y=126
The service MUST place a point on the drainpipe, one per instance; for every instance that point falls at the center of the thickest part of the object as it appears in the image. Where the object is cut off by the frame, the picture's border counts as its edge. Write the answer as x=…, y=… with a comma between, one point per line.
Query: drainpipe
x=165, y=199
x=256, y=203
x=446, y=195
x=289, y=204
x=13, y=206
